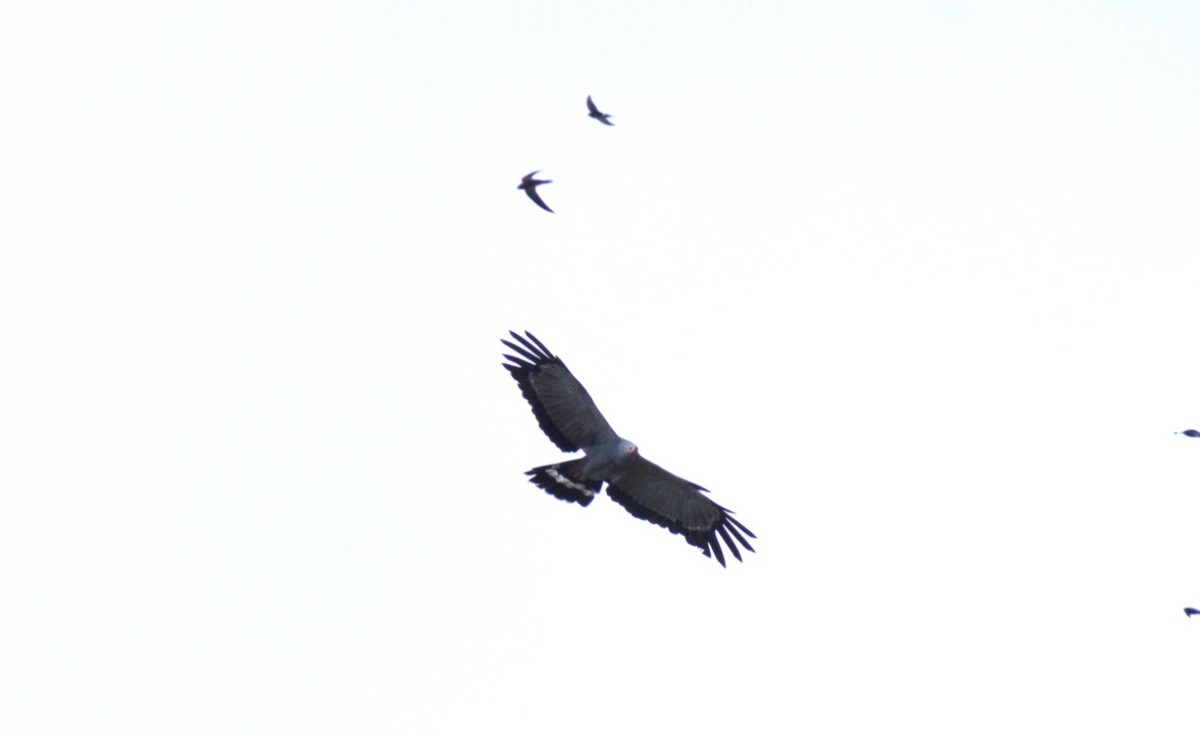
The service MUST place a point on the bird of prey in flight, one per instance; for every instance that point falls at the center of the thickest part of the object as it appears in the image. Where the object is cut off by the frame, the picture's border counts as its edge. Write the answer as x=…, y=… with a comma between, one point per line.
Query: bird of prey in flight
x=593, y=111
x=1191, y=612
x=569, y=417
x=1190, y=433
x=529, y=185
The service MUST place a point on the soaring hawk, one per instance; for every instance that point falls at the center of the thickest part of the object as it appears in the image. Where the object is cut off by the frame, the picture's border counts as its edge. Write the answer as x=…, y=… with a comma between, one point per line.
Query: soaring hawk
x=569, y=417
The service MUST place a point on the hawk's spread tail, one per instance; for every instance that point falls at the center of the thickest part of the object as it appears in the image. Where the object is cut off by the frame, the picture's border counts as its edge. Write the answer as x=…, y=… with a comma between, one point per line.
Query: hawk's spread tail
x=564, y=481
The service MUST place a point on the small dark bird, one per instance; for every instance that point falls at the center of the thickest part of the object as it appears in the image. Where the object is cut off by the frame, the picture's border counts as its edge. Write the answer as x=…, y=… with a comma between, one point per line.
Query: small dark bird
x=1191, y=612
x=1190, y=433
x=568, y=416
x=594, y=112
x=529, y=185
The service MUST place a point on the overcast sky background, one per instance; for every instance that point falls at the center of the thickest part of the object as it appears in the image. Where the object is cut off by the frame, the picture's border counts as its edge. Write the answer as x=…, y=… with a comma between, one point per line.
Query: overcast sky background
x=911, y=287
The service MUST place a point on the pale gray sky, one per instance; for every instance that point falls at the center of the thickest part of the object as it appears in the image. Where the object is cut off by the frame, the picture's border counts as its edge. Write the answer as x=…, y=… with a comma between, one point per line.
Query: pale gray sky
x=912, y=287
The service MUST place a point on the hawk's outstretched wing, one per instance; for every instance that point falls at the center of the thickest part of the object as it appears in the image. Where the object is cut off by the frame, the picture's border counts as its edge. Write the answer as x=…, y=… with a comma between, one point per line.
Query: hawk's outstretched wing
x=563, y=408
x=650, y=492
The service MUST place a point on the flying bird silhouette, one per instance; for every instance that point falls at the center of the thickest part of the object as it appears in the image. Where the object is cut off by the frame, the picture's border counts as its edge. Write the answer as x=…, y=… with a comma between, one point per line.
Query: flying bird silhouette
x=1191, y=612
x=529, y=185
x=569, y=417
x=596, y=113
x=1190, y=433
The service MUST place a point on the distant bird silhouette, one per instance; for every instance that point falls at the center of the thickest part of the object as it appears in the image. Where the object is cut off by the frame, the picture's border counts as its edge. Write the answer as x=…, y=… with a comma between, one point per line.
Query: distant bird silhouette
x=594, y=112
x=1190, y=433
x=529, y=185
x=1191, y=612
